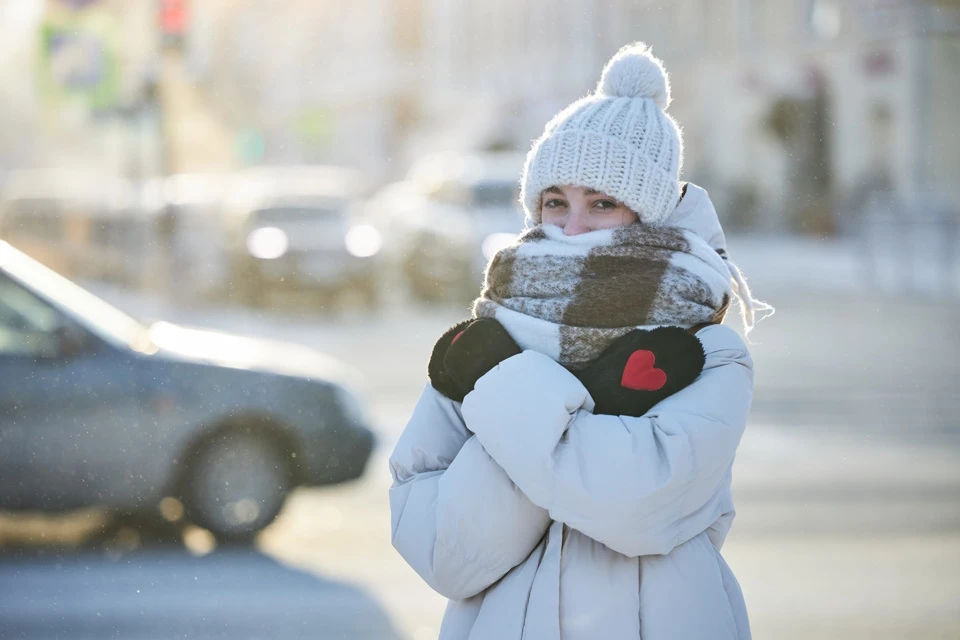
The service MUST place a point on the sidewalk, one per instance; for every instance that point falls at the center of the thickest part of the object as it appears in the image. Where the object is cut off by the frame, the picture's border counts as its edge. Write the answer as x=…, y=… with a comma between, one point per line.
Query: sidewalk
x=835, y=539
x=888, y=266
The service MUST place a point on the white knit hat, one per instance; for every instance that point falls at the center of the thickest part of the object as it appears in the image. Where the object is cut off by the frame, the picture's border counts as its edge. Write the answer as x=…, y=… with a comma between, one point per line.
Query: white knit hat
x=617, y=140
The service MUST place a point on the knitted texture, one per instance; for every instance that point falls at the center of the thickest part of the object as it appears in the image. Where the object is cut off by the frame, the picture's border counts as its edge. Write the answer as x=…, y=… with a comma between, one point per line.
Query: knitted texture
x=617, y=140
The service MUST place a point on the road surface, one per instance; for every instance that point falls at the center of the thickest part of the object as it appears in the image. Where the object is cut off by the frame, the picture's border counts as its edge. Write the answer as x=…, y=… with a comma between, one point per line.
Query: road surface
x=846, y=484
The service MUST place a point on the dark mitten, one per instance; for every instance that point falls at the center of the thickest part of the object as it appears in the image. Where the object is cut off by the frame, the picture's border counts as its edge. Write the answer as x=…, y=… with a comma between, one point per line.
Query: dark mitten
x=436, y=370
x=641, y=369
x=482, y=346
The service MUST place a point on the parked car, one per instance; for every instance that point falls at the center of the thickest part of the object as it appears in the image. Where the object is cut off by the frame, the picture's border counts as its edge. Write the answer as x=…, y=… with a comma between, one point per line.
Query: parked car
x=299, y=233
x=85, y=223
x=446, y=220
x=99, y=409
x=190, y=232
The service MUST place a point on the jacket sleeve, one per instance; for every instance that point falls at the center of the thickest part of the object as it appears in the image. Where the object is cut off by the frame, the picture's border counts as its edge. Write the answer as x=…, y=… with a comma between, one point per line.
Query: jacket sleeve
x=642, y=485
x=456, y=517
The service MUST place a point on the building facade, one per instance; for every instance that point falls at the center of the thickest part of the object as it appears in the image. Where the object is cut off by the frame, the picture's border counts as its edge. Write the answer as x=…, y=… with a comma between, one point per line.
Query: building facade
x=792, y=110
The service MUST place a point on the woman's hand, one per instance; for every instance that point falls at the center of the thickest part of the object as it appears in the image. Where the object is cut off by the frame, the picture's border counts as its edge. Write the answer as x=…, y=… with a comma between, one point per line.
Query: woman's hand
x=631, y=376
x=467, y=351
x=437, y=370
x=641, y=369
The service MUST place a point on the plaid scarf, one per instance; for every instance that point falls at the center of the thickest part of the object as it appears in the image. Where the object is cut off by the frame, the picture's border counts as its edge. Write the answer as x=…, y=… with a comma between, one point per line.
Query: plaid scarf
x=570, y=297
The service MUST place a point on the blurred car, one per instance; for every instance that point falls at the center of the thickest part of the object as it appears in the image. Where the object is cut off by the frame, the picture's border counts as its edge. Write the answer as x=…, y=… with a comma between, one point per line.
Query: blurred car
x=98, y=409
x=190, y=231
x=446, y=220
x=85, y=223
x=299, y=233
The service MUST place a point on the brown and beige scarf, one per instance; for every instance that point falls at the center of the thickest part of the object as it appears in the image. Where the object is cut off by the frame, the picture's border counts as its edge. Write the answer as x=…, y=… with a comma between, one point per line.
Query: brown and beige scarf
x=570, y=297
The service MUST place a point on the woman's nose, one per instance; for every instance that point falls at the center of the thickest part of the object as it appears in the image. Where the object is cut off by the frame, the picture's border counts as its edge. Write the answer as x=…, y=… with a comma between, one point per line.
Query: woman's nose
x=576, y=223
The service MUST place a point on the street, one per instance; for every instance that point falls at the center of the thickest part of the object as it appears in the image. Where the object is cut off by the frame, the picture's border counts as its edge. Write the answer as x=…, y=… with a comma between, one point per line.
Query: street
x=335, y=175
x=165, y=592
x=846, y=486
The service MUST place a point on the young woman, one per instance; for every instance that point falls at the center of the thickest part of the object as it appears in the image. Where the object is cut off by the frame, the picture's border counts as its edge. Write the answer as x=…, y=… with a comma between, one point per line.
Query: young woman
x=539, y=515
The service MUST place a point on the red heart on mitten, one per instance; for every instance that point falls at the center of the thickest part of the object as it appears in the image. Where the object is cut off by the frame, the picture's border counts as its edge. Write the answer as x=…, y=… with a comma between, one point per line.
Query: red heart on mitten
x=639, y=373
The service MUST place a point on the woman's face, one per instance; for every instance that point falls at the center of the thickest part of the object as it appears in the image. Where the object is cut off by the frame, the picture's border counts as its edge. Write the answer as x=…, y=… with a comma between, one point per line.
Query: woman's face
x=580, y=209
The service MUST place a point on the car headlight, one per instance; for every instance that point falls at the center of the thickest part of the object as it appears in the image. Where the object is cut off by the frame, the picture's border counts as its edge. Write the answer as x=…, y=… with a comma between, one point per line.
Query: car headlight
x=363, y=241
x=267, y=243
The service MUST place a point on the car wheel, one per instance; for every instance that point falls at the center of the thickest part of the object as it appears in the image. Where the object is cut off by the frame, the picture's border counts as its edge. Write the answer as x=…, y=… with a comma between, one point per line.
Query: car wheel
x=237, y=484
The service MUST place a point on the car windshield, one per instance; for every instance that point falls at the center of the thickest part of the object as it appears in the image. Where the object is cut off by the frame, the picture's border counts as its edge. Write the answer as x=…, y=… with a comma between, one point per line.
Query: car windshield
x=106, y=321
x=293, y=215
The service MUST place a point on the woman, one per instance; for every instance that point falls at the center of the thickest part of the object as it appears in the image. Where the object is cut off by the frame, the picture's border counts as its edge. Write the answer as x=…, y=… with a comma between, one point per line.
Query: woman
x=535, y=514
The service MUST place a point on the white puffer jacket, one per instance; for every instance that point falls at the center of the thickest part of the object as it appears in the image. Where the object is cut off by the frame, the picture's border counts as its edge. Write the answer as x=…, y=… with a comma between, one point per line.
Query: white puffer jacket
x=542, y=521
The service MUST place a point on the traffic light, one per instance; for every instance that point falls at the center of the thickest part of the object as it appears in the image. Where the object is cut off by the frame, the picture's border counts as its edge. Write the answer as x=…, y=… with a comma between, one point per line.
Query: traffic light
x=173, y=21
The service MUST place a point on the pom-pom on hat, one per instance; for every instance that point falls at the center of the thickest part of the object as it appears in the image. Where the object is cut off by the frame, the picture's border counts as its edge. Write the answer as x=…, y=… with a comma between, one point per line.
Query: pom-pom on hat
x=634, y=73
x=617, y=140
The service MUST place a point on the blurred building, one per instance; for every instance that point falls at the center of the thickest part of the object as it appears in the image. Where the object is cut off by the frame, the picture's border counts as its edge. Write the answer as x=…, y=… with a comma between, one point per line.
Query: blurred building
x=792, y=110
x=76, y=81
x=17, y=21
x=299, y=81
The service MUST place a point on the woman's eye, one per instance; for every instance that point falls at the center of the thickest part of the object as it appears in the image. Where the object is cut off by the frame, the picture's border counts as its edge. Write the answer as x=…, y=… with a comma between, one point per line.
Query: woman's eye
x=553, y=204
x=605, y=205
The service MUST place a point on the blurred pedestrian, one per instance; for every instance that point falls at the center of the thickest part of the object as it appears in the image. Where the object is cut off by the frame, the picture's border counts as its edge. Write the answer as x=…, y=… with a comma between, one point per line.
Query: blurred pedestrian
x=567, y=472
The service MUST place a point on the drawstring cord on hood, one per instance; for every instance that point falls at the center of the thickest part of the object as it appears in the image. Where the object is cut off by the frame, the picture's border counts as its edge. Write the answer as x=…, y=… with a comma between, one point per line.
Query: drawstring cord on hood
x=749, y=306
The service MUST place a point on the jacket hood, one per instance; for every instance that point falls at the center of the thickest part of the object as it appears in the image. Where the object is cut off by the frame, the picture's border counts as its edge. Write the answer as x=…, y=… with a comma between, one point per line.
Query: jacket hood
x=696, y=213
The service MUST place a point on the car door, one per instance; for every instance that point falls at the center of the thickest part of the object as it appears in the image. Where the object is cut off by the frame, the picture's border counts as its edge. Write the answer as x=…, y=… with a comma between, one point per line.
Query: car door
x=64, y=396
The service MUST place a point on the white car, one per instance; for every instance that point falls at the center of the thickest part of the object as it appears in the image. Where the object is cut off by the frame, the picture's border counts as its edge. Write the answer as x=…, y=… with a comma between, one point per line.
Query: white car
x=251, y=233
x=446, y=220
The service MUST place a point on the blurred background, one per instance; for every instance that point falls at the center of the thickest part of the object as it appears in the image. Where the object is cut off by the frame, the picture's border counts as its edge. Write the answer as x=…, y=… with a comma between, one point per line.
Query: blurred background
x=231, y=231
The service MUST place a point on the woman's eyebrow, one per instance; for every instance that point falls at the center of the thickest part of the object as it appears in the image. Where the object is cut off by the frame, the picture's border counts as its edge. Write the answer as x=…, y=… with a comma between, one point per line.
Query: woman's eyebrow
x=591, y=192
x=555, y=190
